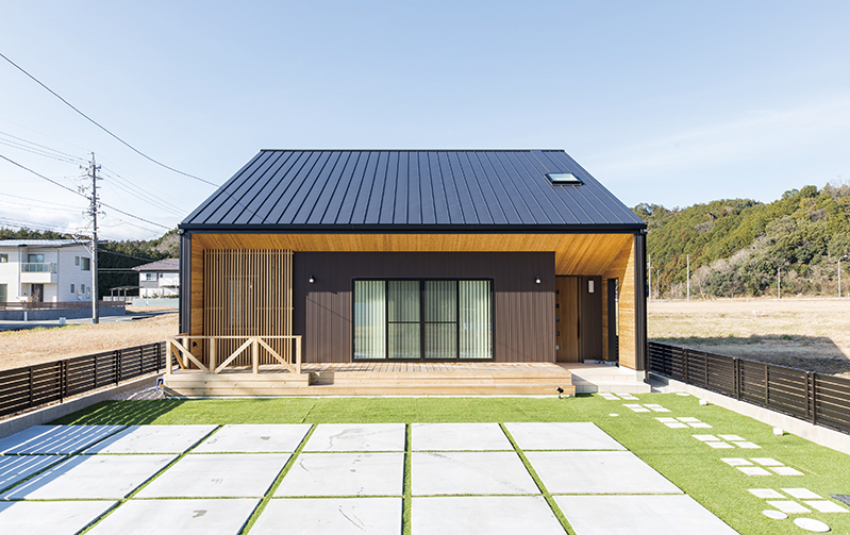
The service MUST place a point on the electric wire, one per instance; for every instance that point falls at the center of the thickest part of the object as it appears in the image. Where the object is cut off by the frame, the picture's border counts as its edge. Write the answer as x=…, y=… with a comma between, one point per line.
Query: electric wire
x=134, y=149
x=81, y=195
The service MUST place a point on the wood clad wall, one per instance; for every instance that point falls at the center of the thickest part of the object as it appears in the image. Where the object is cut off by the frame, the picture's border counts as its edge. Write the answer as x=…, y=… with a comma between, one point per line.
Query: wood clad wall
x=523, y=316
x=247, y=293
x=622, y=268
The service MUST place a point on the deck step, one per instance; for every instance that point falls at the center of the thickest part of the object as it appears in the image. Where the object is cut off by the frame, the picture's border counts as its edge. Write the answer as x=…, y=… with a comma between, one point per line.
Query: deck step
x=372, y=390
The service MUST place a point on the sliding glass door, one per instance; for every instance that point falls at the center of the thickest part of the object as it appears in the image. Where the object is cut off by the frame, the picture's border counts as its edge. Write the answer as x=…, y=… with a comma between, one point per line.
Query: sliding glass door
x=423, y=319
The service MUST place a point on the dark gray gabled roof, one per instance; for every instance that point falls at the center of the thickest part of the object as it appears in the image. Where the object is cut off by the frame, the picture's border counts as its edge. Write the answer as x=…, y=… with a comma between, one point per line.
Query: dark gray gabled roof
x=349, y=191
x=166, y=264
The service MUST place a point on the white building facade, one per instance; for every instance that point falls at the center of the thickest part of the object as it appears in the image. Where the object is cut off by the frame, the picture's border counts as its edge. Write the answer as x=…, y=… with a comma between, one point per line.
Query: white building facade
x=49, y=271
x=159, y=279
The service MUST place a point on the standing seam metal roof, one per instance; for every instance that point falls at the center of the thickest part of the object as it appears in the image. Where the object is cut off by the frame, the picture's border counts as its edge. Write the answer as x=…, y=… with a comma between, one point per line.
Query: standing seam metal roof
x=339, y=190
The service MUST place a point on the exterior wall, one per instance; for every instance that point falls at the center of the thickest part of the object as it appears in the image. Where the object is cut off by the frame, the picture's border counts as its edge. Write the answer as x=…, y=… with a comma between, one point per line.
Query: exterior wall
x=524, y=312
x=623, y=268
x=165, y=283
x=67, y=273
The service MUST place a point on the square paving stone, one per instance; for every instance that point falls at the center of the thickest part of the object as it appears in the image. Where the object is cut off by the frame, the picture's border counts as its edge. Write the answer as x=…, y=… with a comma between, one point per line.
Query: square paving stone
x=262, y=438
x=357, y=437
x=767, y=461
x=640, y=515
x=177, y=517
x=237, y=475
x=826, y=506
x=786, y=471
x=19, y=467
x=483, y=515
x=562, y=436
x=788, y=506
x=153, y=439
x=459, y=437
x=597, y=472
x=754, y=471
x=720, y=445
x=344, y=474
x=747, y=445
x=736, y=461
x=802, y=494
x=470, y=473
x=50, y=518
x=766, y=494
x=330, y=516
x=91, y=477
x=56, y=439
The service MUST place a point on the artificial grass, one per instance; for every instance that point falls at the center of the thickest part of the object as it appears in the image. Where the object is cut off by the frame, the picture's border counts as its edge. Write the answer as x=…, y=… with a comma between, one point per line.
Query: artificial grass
x=693, y=466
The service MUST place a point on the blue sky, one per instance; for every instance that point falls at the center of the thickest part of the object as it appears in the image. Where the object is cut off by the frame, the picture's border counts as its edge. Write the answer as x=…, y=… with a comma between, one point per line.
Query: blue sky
x=666, y=102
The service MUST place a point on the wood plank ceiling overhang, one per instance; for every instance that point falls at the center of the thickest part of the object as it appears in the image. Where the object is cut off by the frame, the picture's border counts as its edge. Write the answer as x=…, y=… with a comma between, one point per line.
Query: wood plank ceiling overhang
x=575, y=254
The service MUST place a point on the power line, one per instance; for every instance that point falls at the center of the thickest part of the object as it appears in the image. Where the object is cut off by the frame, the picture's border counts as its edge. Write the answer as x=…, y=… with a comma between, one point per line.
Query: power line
x=134, y=149
x=81, y=195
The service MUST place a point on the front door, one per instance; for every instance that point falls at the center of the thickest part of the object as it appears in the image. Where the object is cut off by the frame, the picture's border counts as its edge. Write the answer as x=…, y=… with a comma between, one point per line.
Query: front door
x=566, y=319
x=37, y=293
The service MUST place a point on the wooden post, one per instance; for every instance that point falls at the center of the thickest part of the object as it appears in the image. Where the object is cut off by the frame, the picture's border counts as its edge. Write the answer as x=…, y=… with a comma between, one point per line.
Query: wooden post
x=298, y=354
x=255, y=354
x=182, y=357
x=814, y=399
x=766, y=386
x=808, y=394
x=30, y=402
x=168, y=357
x=212, y=353
x=738, y=379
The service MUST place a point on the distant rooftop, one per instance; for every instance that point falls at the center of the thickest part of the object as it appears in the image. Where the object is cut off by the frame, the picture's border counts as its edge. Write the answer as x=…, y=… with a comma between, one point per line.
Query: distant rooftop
x=167, y=264
x=8, y=244
x=412, y=190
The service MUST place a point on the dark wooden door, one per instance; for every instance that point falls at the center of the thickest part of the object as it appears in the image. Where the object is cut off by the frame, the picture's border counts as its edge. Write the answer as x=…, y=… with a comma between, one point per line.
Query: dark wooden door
x=566, y=319
x=38, y=293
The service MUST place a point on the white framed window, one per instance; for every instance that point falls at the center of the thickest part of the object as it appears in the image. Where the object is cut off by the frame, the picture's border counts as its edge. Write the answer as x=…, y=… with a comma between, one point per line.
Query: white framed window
x=85, y=264
x=4, y=258
x=76, y=260
x=72, y=288
x=150, y=276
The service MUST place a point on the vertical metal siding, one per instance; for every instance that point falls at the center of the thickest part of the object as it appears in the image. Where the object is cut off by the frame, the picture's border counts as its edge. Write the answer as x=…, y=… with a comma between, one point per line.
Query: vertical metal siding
x=523, y=316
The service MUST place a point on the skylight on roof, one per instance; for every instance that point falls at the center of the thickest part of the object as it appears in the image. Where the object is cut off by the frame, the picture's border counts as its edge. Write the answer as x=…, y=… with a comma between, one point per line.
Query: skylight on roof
x=563, y=178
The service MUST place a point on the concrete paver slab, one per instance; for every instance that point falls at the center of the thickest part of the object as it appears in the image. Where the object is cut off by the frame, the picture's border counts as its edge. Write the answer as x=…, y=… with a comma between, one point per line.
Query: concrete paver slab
x=747, y=445
x=597, y=472
x=640, y=515
x=767, y=461
x=357, y=437
x=50, y=518
x=459, y=437
x=237, y=475
x=483, y=515
x=788, y=506
x=706, y=438
x=153, y=439
x=562, y=436
x=766, y=493
x=802, y=494
x=344, y=474
x=178, y=517
x=261, y=438
x=16, y=468
x=470, y=473
x=826, y=506
x=810, y=524
x=754, y=471
x=330, y=516
x=720, y=445
x=786, y=471
x=56, y=439
x=91, y=477
x=736, y=461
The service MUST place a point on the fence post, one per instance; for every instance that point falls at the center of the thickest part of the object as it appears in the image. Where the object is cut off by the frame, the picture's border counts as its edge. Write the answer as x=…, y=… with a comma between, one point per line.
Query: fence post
x=737, y=378
x=62, y=380
x=117, y=366
x=705, y=368
x=30, y=401
x=685, y=366
x=814, y=399
x=808, y=393
x=766, y=385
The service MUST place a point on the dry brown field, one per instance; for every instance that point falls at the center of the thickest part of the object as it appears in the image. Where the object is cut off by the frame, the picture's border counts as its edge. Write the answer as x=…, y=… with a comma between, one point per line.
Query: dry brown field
x=812, y=334
x=24, y=348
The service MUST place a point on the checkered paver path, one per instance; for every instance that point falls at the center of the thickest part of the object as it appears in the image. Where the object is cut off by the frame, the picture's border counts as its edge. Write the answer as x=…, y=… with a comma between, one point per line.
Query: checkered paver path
x=510, y=478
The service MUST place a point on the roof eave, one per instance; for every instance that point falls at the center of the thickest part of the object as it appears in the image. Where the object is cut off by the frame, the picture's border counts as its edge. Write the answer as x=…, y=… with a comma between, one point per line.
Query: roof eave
x=598, y=228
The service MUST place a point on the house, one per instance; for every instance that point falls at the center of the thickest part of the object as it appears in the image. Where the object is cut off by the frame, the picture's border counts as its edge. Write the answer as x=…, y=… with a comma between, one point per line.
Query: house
x=414, y=256
x=160, y=278
x=49, y=271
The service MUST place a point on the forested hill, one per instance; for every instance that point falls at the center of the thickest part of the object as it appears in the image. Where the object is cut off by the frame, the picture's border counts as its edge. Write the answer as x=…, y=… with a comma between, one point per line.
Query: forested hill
x=737, y=246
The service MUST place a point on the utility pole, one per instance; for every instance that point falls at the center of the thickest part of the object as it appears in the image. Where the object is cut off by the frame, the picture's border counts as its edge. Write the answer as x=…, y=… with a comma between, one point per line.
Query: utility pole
x=93, y=208
x=689, y=277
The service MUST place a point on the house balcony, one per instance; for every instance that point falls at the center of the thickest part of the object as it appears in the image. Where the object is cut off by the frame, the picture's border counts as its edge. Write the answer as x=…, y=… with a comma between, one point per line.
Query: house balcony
x=39, y=273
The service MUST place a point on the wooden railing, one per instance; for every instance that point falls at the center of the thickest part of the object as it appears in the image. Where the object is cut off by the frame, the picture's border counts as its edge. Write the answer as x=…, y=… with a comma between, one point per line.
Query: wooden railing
x=181, y=345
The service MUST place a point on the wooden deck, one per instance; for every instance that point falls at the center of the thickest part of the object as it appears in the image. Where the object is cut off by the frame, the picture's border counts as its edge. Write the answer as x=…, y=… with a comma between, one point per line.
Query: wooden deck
x=376, y=379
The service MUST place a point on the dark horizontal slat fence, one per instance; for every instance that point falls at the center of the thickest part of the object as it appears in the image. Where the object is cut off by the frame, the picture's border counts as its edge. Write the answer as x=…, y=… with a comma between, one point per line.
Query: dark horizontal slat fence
x=32, y=386
x=821, y=399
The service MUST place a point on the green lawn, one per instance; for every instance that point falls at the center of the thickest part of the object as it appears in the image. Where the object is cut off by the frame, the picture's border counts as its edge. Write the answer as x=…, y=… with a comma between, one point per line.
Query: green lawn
x=691, y=465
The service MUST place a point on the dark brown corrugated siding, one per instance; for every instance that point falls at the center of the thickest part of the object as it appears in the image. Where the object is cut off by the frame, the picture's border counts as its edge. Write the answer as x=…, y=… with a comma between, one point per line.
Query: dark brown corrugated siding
x=524, y=312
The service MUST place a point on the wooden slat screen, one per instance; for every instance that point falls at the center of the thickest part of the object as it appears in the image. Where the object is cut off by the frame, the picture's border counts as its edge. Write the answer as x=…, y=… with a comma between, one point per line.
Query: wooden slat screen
x=247, y=293
x=821, y=399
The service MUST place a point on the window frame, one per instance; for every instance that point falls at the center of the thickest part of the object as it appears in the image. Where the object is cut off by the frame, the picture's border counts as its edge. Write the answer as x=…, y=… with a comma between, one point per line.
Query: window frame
x=422, y=322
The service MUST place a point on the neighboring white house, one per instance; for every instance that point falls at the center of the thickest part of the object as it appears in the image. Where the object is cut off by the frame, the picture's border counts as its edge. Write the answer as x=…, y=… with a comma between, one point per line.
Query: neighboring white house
x=50, y=271
x=159, y=279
